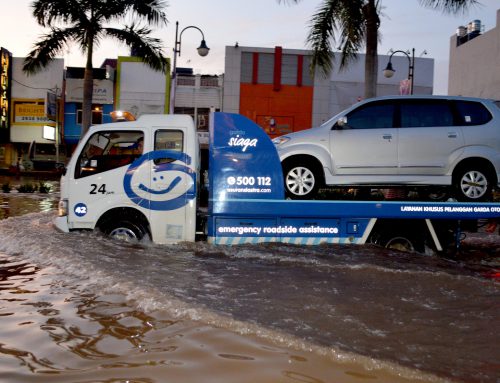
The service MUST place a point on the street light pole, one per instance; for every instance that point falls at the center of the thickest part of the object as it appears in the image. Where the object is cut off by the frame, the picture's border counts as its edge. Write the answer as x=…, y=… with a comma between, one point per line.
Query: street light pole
x=203, y=50
x=389, y=70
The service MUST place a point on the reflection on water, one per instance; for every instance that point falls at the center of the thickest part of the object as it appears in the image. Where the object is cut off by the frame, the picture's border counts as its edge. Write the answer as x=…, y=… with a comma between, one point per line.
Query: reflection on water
x=80, y=307
x=52, y=331
x=14, y=204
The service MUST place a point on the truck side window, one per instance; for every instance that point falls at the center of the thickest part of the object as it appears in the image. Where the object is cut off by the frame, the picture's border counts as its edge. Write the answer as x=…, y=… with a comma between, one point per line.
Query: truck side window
x=109, y=150
x=169, y=140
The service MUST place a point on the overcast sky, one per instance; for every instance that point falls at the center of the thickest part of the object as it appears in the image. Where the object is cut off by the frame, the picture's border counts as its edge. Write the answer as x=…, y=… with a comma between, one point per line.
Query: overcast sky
x=262, y=23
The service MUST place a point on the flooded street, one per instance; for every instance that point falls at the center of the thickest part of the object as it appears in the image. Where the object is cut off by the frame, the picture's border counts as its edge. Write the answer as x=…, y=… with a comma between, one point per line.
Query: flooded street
x=81, y=308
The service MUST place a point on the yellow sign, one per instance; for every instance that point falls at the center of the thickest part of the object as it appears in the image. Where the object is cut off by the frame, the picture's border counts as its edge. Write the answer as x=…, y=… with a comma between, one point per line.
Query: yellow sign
x=30, y=112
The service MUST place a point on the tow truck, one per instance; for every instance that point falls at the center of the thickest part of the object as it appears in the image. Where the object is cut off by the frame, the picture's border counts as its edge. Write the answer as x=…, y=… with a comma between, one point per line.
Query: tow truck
x=158, y=193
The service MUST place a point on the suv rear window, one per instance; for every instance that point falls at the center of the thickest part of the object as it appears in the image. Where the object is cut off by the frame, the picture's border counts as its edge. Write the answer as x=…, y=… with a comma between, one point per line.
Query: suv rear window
x=472, y=113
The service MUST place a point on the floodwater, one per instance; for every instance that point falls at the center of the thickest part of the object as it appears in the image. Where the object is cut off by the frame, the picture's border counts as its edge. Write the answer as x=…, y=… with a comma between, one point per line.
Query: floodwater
x=82, y=308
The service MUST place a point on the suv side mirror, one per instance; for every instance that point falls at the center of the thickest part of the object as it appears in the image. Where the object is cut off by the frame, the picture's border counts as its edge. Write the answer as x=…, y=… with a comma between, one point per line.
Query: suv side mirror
x=341, y=123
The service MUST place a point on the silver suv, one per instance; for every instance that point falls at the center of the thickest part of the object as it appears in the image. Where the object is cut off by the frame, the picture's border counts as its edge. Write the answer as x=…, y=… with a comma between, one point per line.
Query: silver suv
x=399, y=140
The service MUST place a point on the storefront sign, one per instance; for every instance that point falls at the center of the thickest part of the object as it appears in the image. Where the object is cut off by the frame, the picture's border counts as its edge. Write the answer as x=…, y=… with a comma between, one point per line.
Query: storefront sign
x=5, y=75
x=103, y=91
x=29, y=112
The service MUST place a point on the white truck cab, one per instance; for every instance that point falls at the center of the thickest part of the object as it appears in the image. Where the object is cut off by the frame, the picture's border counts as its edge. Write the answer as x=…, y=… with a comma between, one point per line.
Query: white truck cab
x=123, y=176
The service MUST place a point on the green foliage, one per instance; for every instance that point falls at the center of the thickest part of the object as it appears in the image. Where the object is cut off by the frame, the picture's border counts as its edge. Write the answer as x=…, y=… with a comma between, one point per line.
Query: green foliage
x=44, y=187
x=6, y=188
x=27, y=188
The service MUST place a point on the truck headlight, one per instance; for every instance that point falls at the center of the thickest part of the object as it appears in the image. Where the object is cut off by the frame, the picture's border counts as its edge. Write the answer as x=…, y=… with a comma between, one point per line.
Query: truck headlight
x=63, y=208
x=280, y=140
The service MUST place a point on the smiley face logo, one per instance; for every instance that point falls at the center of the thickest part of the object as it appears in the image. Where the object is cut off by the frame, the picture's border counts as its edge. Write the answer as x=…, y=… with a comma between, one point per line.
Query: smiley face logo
x=167, y=190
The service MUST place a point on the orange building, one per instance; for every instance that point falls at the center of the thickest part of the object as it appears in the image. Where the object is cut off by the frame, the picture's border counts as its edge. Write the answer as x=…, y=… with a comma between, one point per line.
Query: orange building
x=276, y=90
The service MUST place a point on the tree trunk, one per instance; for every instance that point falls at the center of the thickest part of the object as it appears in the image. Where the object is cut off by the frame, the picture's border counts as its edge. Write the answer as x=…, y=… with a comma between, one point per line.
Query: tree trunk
x=371, y=57
x=88, y=90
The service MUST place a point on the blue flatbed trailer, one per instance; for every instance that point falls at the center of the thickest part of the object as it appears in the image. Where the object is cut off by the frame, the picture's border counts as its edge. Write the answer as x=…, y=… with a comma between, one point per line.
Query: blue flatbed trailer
x=247, y=203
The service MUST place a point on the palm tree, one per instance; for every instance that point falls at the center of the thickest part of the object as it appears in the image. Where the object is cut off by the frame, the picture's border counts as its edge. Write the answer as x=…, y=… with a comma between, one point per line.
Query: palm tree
x=84, y=22
x=352, y=24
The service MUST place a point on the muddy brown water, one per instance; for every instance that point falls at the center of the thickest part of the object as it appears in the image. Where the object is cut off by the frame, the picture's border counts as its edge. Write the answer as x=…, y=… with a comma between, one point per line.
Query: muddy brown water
x=81, y=308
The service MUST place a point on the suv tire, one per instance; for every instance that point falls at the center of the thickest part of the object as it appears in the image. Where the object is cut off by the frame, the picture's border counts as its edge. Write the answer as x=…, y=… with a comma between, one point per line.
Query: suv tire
x=472, y=184
x=302, y=180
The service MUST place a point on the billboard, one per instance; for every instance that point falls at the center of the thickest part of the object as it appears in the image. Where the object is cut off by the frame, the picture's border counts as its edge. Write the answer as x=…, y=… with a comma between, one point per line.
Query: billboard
x=5, y=89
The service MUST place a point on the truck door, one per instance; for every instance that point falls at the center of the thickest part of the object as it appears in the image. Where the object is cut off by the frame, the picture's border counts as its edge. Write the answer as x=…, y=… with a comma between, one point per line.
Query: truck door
x=99, y=175
x=173, y=186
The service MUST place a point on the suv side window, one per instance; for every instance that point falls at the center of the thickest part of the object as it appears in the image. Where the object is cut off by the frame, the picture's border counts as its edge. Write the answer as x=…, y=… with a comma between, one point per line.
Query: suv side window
x=472, y=113
x=109, y=150
x=425, y=113
x=378, y=115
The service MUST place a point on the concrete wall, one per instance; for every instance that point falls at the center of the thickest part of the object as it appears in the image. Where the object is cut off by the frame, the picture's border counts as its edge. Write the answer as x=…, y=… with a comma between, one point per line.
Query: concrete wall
x=140, y=89
x=336, y=92
x=475, y=65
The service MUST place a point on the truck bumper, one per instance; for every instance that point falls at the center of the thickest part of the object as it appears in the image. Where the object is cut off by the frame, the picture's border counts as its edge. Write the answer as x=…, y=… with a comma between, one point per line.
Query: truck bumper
x=61, y=223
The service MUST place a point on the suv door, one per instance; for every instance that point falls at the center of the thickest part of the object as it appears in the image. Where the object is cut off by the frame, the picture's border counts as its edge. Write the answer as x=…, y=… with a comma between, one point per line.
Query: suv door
x=428, y=137
x=367, y=143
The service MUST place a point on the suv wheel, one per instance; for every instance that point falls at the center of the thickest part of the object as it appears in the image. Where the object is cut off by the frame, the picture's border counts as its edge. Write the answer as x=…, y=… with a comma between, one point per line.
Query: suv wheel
x=301, y=181
x=472, y=184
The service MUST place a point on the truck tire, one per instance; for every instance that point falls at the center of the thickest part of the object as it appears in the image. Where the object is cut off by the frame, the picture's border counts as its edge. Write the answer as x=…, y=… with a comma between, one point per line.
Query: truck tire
x=125, y=230
x=472, y=184
x=302, y=181
x=400, y=235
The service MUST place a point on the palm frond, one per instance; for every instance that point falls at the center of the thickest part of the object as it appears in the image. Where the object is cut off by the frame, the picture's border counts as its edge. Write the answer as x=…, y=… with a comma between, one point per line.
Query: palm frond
x=338, y=22
x=46, y=49
x=149, y=49
x=48, y=12
x=152, y=10
x=450, y=6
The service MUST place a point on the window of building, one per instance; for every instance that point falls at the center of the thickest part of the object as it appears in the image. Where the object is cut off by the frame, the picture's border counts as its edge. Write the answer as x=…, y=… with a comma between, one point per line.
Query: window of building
x=96, y=115
x=185, y=80
x=209, y=81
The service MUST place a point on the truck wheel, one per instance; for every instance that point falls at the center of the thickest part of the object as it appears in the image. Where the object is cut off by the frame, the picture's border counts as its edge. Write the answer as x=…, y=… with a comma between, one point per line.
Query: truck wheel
x=125, y=231
x=301, y=181
x=402, y=240
x=472, y=184
x=400, y=243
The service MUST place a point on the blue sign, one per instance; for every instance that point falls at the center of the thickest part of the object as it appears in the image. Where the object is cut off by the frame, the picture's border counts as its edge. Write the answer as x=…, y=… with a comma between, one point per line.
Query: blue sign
x=244, y=163
x=80, y=209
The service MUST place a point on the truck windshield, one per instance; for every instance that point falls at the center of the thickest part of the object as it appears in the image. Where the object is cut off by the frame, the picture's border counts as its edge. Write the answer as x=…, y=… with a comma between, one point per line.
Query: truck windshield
x=108, y=150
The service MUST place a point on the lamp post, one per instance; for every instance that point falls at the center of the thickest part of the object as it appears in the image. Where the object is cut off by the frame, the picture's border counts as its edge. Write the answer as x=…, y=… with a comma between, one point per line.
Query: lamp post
x=203, y=50
x=389, y=70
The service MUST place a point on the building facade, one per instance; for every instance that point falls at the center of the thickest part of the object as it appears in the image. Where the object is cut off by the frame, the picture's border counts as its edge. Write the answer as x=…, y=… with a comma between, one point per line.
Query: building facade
x=197, y=95
x=475, y=61
x=274, y=86
x=140, y=89
x=35, y=115
x=102, y=100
